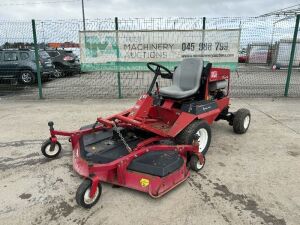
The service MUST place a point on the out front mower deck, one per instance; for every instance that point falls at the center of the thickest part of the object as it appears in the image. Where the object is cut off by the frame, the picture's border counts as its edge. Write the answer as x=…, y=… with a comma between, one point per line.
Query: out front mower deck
x=152, y=146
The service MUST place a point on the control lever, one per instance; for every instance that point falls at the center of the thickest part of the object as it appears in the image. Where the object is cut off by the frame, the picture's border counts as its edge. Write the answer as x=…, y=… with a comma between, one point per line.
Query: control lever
x=157, y=87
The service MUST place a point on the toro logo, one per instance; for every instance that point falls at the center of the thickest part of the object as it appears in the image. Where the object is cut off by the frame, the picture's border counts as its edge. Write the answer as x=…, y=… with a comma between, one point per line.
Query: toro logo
x=225, y=77
x=144, y=182
x=213, y=75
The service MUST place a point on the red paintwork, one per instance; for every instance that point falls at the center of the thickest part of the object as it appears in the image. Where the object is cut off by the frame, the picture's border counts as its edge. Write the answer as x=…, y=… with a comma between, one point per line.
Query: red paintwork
x=217, y=74
x=165, y=121
x=141, y=109
x=116, y=172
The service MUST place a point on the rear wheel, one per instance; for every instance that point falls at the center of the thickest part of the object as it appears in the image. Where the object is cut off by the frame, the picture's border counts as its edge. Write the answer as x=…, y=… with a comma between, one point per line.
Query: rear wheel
x=241, y=121
x=83, y=194
x=27, y=77
x=58, y=73
x=199, y=131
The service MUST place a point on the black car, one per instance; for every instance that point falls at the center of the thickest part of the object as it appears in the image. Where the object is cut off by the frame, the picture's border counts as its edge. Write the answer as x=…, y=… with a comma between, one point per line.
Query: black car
x=65, y=61
x=19, y=65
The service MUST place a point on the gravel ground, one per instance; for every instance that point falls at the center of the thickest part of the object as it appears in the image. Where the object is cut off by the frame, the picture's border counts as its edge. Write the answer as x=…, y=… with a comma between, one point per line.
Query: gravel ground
x=248, y=179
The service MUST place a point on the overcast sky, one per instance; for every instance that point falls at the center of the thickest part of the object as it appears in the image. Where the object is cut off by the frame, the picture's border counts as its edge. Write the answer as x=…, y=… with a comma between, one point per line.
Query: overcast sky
x=70, y=9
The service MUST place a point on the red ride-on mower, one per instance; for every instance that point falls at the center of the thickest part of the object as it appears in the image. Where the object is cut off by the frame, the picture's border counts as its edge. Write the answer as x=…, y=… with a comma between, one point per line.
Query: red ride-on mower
x=151, y=146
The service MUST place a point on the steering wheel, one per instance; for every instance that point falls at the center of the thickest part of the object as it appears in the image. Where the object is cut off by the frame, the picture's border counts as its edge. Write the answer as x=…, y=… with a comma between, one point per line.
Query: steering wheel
x=157, y=70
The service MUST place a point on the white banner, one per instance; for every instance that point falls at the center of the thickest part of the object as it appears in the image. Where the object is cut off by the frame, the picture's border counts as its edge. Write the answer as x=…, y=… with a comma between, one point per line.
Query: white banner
x=159, y=46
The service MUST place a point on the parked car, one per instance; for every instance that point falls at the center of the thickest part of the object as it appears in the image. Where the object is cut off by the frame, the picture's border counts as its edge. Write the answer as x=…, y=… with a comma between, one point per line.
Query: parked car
x=243, y=57
x=65, y=61
x=19, y=65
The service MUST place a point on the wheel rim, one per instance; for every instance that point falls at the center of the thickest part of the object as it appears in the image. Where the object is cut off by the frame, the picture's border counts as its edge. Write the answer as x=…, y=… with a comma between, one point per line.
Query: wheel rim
x=202, y=139
x=58, y=73
x=246, y=122
x=26, y=77
x=87, y=199
x=199, y=165
x=53, y=152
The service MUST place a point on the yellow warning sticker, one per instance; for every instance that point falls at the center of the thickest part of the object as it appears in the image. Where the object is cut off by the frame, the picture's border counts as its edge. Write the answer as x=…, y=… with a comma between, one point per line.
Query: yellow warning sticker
x=144, y=182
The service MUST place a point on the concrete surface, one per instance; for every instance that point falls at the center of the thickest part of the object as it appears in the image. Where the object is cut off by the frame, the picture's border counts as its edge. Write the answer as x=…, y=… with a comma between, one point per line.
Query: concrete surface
x=248, y=179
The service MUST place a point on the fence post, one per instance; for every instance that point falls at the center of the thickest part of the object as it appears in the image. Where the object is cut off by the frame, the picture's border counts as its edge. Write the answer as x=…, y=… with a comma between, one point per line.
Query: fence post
x=203, y=23
x=36, y=53
x=203, y=30
x=118, y=56
x=288, y=78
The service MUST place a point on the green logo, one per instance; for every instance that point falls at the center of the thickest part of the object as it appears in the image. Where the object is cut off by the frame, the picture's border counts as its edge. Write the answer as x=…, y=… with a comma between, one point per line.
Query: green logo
x=95, y=46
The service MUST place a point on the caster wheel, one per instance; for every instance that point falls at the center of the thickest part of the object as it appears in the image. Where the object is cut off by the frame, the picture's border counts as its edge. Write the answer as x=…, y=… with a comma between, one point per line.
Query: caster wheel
x=241, y=121
x=51, y=150
x=195, y=163
x=83, y=194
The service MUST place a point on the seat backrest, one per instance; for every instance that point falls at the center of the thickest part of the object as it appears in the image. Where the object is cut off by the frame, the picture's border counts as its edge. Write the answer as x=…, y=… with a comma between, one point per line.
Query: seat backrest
x=187, y=75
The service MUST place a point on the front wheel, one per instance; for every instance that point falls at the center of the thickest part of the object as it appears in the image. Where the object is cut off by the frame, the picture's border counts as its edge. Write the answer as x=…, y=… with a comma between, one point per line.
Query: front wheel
x=51, y=149
x=27, y=77
x=195, y=163
x=198, y=130
x=83, y=194
x=241, y=121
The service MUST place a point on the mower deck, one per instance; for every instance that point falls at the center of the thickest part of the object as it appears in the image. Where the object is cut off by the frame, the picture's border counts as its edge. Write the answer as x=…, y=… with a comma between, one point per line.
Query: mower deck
x=102, y=147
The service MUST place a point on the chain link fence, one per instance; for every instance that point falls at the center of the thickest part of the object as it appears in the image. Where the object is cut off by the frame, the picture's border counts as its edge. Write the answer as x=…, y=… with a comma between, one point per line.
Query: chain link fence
x=264, y=55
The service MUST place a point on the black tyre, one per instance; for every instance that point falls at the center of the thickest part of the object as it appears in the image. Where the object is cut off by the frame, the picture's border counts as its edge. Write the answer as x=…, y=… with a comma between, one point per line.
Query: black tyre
x=195, y=163
x=27, y=77
x=51, y=150
x=198, y=130
x=241, y=121
x=82, y=194
x=59, y=72
x=45, y=78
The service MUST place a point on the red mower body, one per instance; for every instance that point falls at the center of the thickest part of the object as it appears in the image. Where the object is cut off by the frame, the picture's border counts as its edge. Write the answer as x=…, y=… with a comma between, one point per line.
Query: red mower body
x=153, y=147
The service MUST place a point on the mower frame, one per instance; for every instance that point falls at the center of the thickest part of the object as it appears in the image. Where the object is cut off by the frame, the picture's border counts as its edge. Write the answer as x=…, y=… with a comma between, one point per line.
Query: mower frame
x=165, y=121
x=116, y=171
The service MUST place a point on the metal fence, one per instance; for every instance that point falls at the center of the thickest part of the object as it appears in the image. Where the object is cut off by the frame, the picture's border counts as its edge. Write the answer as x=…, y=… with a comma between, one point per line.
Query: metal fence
x=266, y=45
